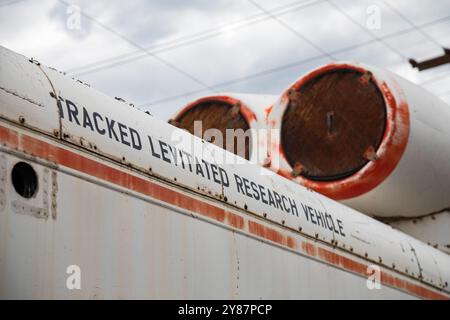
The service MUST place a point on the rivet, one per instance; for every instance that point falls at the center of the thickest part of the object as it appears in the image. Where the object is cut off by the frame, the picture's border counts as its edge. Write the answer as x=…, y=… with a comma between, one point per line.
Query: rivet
x=297, y=170
x=365, y=78
x=370, y=154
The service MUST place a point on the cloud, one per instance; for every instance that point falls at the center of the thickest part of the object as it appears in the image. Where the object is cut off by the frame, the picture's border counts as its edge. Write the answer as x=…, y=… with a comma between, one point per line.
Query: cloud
x=260, y=55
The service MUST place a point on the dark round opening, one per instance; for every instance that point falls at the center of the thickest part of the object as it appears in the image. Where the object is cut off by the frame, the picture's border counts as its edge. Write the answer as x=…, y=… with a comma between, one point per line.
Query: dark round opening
x=24, y=179
x=218, y=115
x=333, y=124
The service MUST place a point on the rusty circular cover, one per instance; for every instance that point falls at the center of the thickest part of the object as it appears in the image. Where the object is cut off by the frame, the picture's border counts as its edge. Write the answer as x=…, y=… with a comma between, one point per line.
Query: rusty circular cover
x=333, y=124
x=219, y=115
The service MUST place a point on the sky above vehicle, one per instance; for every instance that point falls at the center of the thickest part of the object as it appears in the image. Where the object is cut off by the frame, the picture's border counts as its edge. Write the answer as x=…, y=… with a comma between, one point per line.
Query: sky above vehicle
x=160, y=55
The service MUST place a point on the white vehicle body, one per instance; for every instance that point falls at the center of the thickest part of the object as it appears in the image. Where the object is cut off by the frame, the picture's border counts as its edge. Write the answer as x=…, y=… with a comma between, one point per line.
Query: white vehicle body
x=113, y=202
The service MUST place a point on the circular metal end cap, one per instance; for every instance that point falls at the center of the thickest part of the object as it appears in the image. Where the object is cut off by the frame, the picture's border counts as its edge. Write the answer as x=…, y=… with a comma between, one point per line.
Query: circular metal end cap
x=221, y=115
x=333, y=124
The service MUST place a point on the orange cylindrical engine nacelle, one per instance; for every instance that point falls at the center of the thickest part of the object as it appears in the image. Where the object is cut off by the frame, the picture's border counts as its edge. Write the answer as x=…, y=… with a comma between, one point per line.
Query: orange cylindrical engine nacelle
x=366, y=137
x=222, y=112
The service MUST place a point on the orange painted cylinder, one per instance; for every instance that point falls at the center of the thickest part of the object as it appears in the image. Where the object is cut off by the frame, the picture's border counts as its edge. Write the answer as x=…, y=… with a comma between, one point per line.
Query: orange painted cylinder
x=358, y=134
x=221, y=118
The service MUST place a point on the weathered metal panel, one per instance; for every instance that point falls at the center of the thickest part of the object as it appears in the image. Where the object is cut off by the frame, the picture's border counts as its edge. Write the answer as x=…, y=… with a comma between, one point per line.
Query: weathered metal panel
x=432, y=229
x=92, y=199
x=154, y=135
x=25, y=93
x=128, y=247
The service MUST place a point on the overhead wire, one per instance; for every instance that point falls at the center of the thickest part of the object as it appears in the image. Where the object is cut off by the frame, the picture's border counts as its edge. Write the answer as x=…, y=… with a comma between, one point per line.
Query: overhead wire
x=188, y=39
x=289, y=65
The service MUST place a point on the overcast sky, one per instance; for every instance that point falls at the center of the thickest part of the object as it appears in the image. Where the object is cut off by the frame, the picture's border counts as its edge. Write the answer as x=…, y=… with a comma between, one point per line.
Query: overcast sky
x=197, y=46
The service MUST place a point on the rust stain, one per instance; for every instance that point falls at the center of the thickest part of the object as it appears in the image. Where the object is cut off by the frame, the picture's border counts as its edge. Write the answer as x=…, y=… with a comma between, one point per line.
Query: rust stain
x=267, y=233
x=344, y=262
x=424, y=292
x=284, y=173
x=309, y=248
x=291, y=243
x=268, y=110
x=387, y=279
x=235, y=220
x=281, y=151
x=9, y=137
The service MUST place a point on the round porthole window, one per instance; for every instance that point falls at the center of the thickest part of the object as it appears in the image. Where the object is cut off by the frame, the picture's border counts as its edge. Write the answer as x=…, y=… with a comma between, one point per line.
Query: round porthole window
x=24, y=179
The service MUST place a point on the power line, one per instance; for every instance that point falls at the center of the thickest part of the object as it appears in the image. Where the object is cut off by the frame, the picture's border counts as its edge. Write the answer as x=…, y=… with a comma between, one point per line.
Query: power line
x=237, y=80
x=302, y=6
x=402, y=16
x=189, y=39
x=293, y=64
x=134, y=44
x=345, y=14
x=237, y=24
x=292, y=30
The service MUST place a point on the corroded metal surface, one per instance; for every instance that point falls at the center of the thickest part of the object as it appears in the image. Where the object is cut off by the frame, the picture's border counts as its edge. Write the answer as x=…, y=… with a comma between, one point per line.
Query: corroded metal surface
x=218, y=115
x=225, y=117
x=330, y=122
